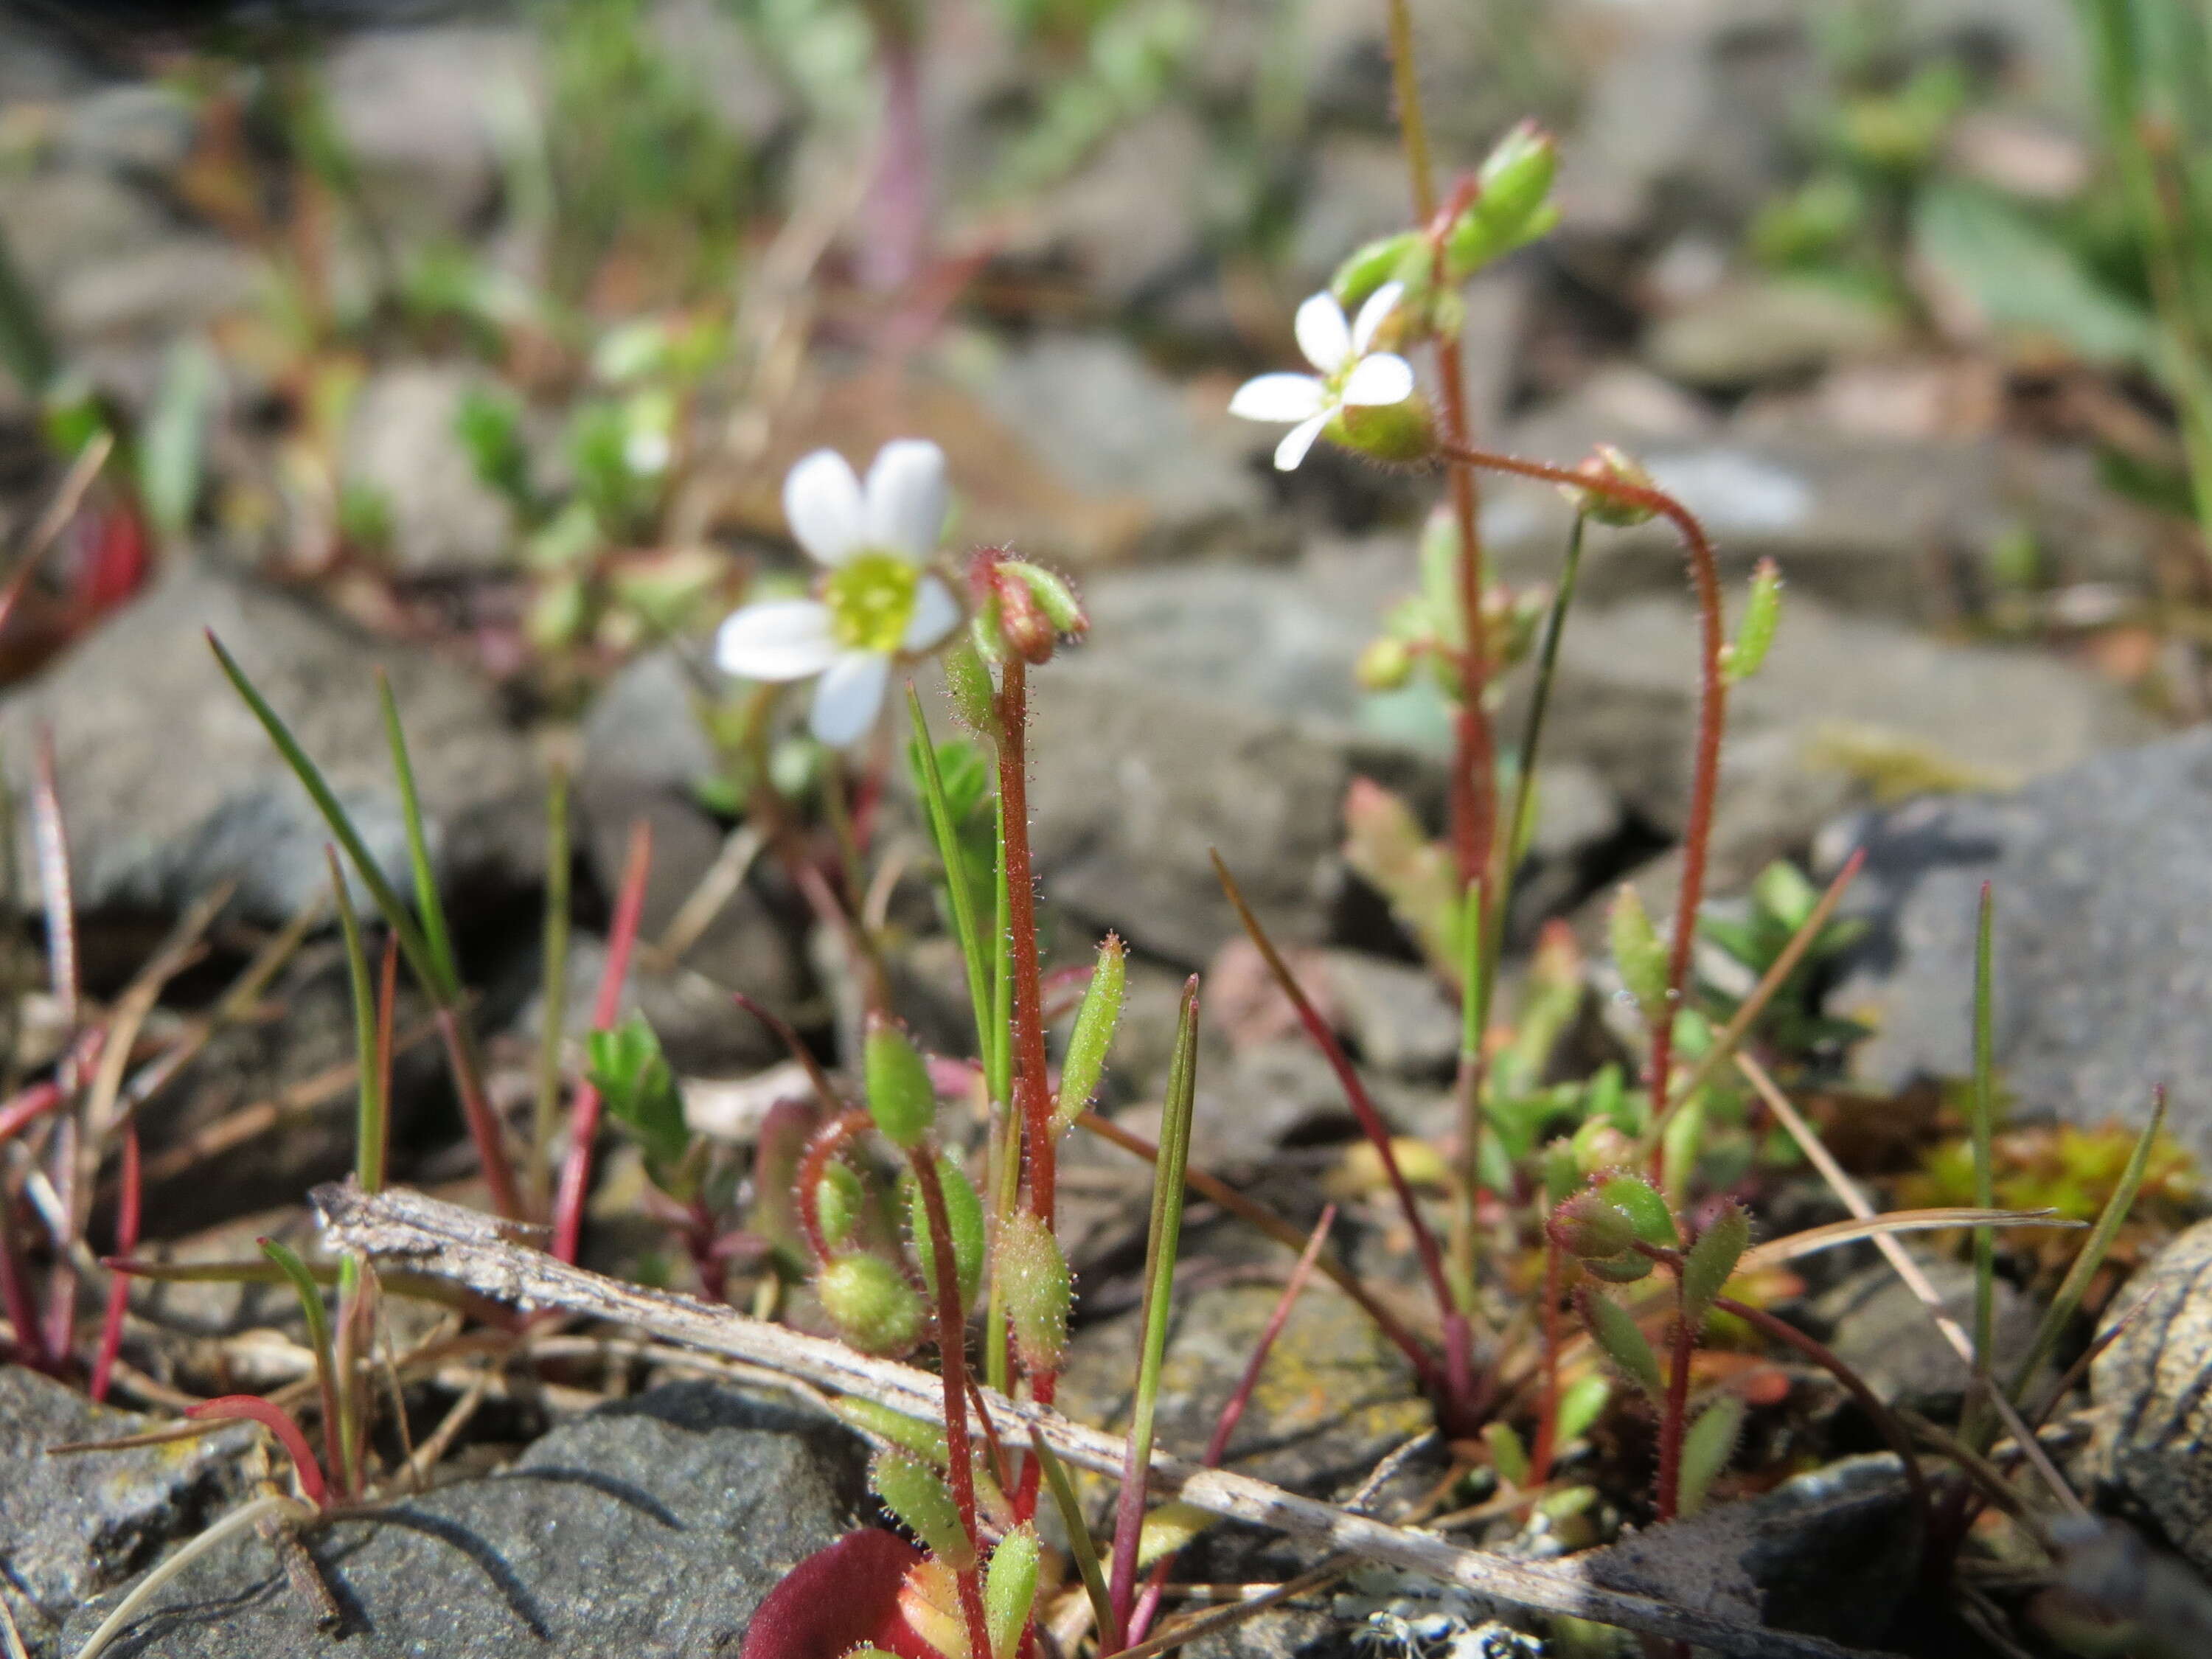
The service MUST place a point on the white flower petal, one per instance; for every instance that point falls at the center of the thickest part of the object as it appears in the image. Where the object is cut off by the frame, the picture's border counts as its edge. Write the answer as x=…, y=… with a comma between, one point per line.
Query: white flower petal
x=1380, y=304
x=1298, y=440
x=936, y=613
x=1323, y=335
x=775, y=640
x=822, y=504
x=848, y=696
x=1384, y=378
x=906, y=498
x=1277, y=398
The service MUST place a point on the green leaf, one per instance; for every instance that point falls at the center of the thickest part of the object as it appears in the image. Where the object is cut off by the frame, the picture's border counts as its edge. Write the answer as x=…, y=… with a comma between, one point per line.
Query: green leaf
x=1647, y=1210
x=1085, y=1062
x=1707, y=1447
x=924, y=1440
x=963, y=1219
x=901, y=1097
x=2023, y=279
x=1010, y=1589
x=919, y=1496
x=1712, y=1259
x=489, y=426
x=428, y=904
x=1581, y=1404
x=1507, y=1455
x=1638, y=955
x=1619, y=1339
x=1755, y=635
x=633, y=1077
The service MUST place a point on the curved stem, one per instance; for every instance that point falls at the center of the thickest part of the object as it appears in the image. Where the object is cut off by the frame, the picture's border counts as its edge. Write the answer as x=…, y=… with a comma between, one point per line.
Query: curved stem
x=952, y=1366
x=829, y=1140
x=1712, y=719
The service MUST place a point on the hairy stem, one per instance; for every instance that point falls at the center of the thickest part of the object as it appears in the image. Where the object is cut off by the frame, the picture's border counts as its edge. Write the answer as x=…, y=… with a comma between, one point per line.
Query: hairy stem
x=952, y=1366
x=1545, y=1445
x=1674, y=1418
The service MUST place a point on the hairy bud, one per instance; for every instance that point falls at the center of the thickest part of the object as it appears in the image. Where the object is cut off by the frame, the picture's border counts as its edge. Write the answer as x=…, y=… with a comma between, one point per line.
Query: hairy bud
x=870, y=1303
x=1038, y=1288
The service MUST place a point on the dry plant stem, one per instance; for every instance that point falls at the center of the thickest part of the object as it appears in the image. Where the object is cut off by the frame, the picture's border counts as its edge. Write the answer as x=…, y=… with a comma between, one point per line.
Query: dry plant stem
x=1215, y=1190
x=952, y=1362
x=1186, y=1631
x=479, y=1252
x=584, y=1116
x=1233, y=1412
x=1459, y=1381
x=1712, y=719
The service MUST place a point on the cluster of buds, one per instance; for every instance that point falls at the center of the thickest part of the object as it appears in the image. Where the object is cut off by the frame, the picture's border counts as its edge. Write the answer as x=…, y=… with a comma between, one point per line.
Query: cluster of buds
x=1020, y=609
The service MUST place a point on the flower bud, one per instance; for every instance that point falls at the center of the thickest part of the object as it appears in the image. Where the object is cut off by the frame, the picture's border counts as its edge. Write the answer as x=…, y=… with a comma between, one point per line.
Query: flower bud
x=917, y=1494
x=1022, y=610
x=1608, y=462
x=1384, y=666
x=968, y=683
x=1762, y=611
x=1637, y=954
x=1587, y=1227
x=870, y=1303
x=1374, y=263
x=1510, y=209
x=1093, y=1034
x=963, y=1219
x=838, y=1198
x=901, y=1097
x=1645, y=1209
x=1039, y=1290
x=1010, y=1589
x=1400, y=434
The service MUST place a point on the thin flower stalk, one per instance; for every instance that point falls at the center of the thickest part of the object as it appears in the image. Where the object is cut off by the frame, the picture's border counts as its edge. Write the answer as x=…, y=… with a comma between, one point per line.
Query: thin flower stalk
x=1712, y=718
x=584, y=1115
x=1675, y=1416
x=952, y=1366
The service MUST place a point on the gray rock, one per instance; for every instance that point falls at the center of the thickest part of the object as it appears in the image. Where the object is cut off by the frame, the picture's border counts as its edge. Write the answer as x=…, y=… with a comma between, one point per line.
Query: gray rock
x=1745, y=332
x=169, y=784
x=1130, y=218
x=1117, y=431
x=1399, y=1018
x=1830, y=1553
x=654, y=1525
x=130, y=127
x=174, y=286
x=2154, y=1418
x=401, y=444
x=1881, y=1331
x=2103, y=882
x=1843, y=707
x=72, y=1528
x=414, y=107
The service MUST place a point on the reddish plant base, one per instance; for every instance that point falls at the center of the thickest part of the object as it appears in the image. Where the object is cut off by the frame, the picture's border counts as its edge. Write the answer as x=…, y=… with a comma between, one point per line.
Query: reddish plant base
x=839, y=1599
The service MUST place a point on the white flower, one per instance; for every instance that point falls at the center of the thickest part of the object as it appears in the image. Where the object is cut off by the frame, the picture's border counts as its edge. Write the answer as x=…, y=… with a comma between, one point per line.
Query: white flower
x=1349, y=373
x=879, y=601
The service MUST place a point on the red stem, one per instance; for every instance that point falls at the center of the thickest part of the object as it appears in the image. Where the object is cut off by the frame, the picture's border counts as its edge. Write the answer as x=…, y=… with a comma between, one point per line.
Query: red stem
x=1548, y=1420
x=1458, y=1378
x=1232, y=1411
x=952, y=1362
x=253, y=1409
x=1712, y=719
x=28, y=1107
x=827, y=1141
x=118, y=1287
x=476, y=1111
x=584, y=1115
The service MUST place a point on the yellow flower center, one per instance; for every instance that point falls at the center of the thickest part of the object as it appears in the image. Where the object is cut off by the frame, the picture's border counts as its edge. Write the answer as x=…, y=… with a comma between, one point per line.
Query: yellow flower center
x=871, y=600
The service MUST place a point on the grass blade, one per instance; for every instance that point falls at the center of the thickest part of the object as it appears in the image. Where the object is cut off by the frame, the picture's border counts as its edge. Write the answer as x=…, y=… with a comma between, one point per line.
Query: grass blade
x=957, y=890
x=2075, y=1284
x=436, y=940
x=1161, y=1244
x=396, y=915
x=369, y=1123
x=318, y=1339
x=1079, y=1543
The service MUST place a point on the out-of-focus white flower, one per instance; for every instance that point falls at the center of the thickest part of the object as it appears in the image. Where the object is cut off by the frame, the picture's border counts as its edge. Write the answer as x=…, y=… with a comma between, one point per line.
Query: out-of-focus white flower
x=877, y=599
x=1349, y=373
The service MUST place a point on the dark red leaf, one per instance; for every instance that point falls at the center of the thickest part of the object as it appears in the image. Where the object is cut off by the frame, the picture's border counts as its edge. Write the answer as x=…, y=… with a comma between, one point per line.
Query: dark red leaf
x=837, y=1599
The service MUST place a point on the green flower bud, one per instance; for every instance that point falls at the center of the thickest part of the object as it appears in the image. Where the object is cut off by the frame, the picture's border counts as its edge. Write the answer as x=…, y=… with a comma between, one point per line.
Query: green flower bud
x=1638, y=953
x=1384, y=666
x=1400, y=434
x=1510, y=209
x=1053, y=597
x=901, y=1097
x=1588, y=1228
x=1038, y=1290
x=870, y=1303
x=1010, y=1589
x=1606, y=462
x=918, y=1495
x=1755, y=632
x=839, y=1198
x=968, y=682
x=1373, y=264
x=1709, y=1261
x=963, y=1217
x=1641, y=1202
x=1617, y=1336
x=1093, y=1034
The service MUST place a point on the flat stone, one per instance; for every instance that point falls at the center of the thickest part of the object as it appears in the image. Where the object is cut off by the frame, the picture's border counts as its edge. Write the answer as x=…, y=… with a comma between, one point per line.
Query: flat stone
x=156, y=820
x=73, y=1527
x=402, y=443
x=2154, y=1420
x=1880, y=1330
x=653, y=1525
x=2102, y=875
x=1747, y=332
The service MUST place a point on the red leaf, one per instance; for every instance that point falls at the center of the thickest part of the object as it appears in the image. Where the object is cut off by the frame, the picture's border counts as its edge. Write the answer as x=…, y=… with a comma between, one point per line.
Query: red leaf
x=253, y=1409
x=837, y=1599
